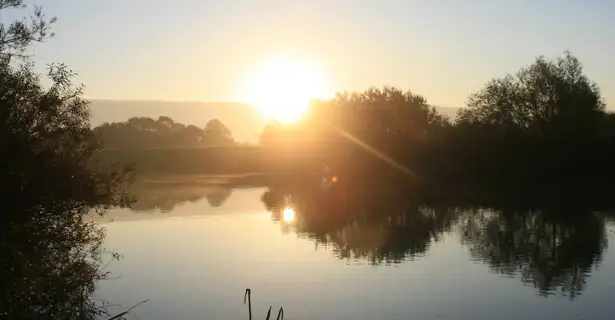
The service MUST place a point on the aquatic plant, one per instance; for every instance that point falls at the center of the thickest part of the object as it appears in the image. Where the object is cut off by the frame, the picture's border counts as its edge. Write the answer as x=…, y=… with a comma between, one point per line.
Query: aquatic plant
x=247, y=296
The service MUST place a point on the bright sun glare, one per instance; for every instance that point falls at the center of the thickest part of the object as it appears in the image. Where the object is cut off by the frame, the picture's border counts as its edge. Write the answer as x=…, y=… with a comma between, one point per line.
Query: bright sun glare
x=282, y=88
x=288, y=214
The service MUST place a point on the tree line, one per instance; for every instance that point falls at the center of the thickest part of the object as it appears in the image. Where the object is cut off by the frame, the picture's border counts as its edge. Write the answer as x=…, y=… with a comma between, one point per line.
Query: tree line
x=544, y=127
x=147, y=133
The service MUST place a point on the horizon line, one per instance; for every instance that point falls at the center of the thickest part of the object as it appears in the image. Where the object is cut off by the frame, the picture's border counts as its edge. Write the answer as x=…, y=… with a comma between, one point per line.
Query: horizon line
x=207, y=101
x=241, y=103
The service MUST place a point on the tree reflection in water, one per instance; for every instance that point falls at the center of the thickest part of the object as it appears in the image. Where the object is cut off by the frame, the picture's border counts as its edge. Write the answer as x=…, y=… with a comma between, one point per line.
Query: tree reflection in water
x=550, y=250
x=376, y=230
x=165, y=196
x=553, y=251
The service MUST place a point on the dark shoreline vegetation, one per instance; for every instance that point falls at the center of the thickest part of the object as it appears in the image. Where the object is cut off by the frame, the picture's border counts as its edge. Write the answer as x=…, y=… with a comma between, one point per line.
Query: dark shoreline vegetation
x=538, y=139
x=542, y=133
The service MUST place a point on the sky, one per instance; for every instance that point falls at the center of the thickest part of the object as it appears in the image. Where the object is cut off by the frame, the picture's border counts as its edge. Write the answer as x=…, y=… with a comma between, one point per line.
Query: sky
x=201, y=50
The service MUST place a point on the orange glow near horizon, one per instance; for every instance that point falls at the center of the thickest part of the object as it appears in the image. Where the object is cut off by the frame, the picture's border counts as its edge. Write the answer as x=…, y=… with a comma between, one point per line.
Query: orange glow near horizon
x=282, y=88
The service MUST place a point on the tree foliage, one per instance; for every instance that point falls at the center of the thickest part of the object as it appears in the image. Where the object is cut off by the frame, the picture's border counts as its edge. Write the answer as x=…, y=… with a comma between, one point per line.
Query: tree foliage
x=216, y=133
x=389, y=111
x=544, y=126
x=547, y=98
x=374, y=125
x=18, y=36
x=374, y=114
x=164, y=132
x=50, y=252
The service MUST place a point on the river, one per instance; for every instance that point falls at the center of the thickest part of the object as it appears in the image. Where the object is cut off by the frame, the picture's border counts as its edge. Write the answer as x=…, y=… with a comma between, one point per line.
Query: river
x=193, y=250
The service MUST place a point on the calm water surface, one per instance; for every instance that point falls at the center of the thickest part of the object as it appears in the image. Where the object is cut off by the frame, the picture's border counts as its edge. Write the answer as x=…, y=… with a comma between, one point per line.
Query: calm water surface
x=194, y=250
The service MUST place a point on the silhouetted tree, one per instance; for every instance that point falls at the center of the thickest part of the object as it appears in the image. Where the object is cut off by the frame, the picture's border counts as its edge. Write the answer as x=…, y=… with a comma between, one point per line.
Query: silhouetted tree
x=382, y=114
x=360, y=133
x=543, y=128
x=17, y=36
x=375, y=116
x=546, y=98
x=146, y=133
x=50, y=253
x=216, y=133
x=609, y=125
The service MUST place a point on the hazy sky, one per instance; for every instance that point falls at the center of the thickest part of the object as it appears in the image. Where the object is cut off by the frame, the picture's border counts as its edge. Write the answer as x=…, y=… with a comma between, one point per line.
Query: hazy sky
x=202, y=49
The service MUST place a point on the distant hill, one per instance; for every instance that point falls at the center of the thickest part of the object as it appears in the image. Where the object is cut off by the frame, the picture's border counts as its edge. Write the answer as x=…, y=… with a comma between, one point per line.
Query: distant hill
x=244, y=121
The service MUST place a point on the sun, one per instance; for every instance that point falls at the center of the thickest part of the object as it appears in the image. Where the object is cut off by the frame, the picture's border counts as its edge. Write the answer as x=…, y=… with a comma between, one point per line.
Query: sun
x=281, y=88
x=288, y=215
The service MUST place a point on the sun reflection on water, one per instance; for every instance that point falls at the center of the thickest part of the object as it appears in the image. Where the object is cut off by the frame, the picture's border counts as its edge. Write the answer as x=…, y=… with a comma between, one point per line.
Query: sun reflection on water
x=288, y=215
